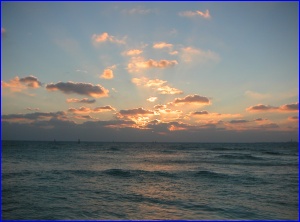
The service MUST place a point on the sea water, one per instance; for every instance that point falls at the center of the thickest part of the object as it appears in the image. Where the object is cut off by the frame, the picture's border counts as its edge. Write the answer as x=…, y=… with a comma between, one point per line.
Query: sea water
x=134, y=181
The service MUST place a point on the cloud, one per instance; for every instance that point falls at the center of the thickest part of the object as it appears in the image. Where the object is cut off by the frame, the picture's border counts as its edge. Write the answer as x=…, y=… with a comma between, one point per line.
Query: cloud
x=152, y=99
x=293, y=118
x=105, y=37
x=192, y=99
x=200, y=113
x=137, y=64
x=83, y=109
x=190, y=54
x=79, y=70
x=168, y=90
x=284, y=108
x=31, y=81
x=32, y=109
x=138, y=11
x=79, y=88
x=261, y=107
x=256, y=95
x=84, y=100
x=260, y=120
x=18, y=84
x=156, y=84
x=238, y=121
x=290, y=107
x=161, y=45
x=3, y=31
x=107, y=74
x=132, y=52
x=31, y=117
x=136, y=111
x=205, y=15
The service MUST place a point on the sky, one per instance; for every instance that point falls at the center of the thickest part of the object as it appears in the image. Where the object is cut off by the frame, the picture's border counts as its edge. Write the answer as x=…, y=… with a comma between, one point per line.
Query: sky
x=150, y=71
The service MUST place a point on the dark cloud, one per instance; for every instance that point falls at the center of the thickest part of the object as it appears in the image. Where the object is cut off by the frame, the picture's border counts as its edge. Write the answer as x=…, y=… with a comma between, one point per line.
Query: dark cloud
x=290, y=107
x=31, y=81
x=237, y=121
x=261, y=107
x=200, y=113
x=284, y=108
x=79, y=88
x=137, y=111
x=89, y=110
x=192, y=99
x=33, y=116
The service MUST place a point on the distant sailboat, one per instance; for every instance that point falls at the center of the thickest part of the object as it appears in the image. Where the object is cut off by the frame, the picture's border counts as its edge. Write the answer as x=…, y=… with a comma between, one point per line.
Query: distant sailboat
x=78, y=141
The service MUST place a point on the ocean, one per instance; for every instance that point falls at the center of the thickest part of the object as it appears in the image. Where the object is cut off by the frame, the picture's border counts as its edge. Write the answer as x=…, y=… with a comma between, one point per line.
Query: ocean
x=149, y=181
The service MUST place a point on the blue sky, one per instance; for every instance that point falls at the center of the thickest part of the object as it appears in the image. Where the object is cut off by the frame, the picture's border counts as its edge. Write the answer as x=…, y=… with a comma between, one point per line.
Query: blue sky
x=207, y=71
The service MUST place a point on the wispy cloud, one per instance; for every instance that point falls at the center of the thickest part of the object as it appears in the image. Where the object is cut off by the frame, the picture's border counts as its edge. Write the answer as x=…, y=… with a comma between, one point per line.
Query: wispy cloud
x=79, y=88
x=159, y=85
x=189, y=54
x=84, y=100
x=293, y=118
x=152, y=99
x=105, y=37
x=256, y=95
x=85, y=110
x=138, y=11
x=32, y=109
x=197, y=13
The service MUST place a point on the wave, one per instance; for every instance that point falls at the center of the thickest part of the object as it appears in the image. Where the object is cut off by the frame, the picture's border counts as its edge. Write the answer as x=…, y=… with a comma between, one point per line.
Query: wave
x=240, y=156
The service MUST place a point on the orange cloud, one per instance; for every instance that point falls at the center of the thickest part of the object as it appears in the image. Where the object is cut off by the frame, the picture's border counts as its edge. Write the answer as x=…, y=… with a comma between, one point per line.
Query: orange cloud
x=107, y=74
x=168, y=90
x=79, y=88
x=132, y=52
x=18, y=84
x=105, y=37
x=205, y=15
x=84, y=100
x=138, y=63
x=161, y=45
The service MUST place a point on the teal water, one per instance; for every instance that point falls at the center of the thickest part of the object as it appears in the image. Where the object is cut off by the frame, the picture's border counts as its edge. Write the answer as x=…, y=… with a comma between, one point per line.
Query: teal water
x=134, y=181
